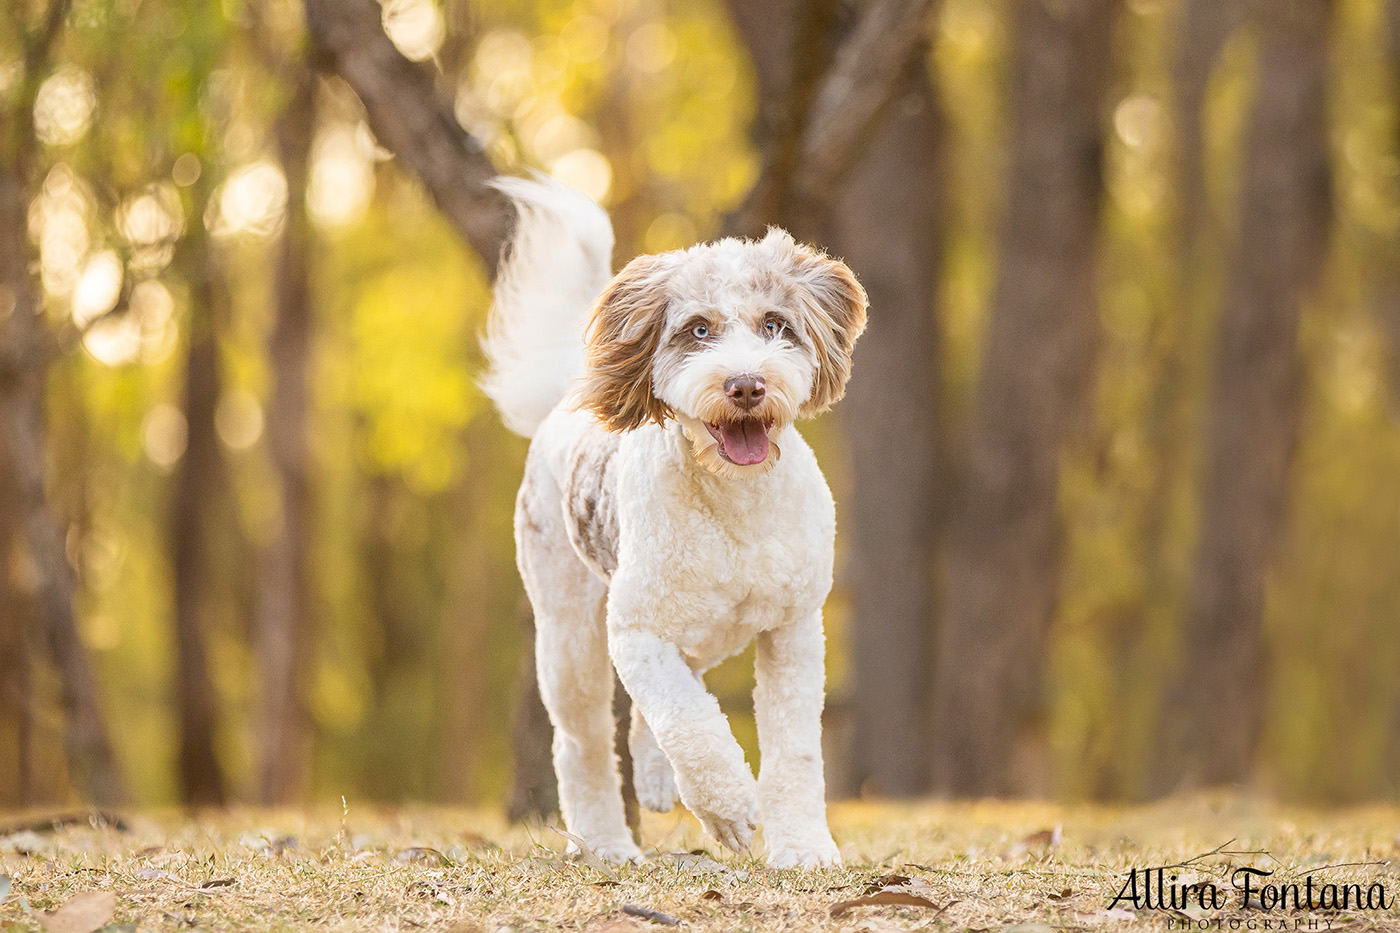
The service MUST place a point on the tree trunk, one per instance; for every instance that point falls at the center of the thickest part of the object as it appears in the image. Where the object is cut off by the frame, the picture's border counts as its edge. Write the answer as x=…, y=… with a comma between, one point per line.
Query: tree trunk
x=886, y=225
x=534, y=792
x=1388, y=309
x=1180, y=338
x=832, y=99
x=1205, y=27
x=46, y=583
x=283, y=614
x=1218, y=701
x=1003, y=545
x=191, y=524
x=16, y=696
x=1388, y=304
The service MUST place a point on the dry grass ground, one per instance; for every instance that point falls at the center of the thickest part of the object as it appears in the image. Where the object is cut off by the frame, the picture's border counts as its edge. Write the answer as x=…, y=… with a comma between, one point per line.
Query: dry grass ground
x=1006, y=867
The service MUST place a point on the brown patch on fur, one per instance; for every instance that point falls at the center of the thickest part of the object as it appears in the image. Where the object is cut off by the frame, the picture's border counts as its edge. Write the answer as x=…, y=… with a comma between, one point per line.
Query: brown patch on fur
x=685, y=340
x=525, y=514
x=620, y=343
x=590, y=510
x=835, y=316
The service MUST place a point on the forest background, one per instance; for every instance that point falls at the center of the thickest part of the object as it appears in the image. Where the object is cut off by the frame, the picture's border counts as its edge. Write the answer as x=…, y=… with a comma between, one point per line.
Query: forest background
x=1118, y=474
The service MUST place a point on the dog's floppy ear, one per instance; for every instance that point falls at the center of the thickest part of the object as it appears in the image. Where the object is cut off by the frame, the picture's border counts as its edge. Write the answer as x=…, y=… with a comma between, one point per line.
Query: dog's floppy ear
x=624, y=329
x=833, y=306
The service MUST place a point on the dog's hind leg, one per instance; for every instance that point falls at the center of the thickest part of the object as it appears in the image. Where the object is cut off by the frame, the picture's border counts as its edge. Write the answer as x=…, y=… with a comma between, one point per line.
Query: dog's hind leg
x=651, y=769
x=576, y=678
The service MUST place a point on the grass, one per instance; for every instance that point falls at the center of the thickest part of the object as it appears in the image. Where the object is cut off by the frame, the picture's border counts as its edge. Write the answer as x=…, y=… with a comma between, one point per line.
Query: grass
x=989, y=866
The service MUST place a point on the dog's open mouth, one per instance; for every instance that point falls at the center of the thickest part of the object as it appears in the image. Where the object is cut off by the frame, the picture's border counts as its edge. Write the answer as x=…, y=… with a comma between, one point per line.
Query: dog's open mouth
x=743, y=442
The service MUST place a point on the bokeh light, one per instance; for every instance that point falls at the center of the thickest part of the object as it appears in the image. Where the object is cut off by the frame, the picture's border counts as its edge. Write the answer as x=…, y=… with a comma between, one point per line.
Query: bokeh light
x=415, y=26
x=63, y=107
x=252, y=200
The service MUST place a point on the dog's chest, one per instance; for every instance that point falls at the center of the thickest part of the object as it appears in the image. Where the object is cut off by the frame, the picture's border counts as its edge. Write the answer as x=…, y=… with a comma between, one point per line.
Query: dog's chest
x=731, y=569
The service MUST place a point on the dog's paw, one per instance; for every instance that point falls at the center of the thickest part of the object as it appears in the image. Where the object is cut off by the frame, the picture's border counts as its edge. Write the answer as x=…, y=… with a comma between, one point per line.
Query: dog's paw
x=823, y=854
x=732, y=828
x=655, y=782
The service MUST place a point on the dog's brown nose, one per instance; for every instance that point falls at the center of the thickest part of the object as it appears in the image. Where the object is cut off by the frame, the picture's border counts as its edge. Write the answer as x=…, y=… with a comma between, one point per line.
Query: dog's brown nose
x=745, y=390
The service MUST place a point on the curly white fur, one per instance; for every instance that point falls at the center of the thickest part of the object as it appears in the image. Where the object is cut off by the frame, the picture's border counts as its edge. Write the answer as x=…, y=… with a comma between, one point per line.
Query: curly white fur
x=560, y=259
x=674, y=540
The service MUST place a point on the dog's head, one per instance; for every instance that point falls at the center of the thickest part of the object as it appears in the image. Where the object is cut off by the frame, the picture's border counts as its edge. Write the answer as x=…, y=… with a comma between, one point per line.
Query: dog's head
x=733, y=339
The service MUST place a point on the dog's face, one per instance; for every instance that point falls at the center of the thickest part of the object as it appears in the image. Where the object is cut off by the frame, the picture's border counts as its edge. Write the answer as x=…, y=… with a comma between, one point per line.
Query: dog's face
x=733, y=339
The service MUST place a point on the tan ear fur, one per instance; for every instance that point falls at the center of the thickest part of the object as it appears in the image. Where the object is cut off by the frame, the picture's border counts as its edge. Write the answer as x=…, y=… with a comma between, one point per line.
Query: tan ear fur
x=835, y=318
x=624, y=329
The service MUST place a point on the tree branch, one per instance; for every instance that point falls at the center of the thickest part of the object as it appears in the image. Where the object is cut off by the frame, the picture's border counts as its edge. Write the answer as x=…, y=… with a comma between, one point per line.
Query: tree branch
x=408, y=116
x=38, y=43
x=866, y=76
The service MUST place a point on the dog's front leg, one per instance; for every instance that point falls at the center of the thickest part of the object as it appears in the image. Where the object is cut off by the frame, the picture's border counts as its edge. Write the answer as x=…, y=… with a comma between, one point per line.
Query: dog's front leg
x=714, y=781
x=790, y=676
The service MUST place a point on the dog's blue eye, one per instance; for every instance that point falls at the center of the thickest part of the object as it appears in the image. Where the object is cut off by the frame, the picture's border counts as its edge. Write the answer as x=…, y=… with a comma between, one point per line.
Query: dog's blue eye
x=774, y=328
x=701, y=331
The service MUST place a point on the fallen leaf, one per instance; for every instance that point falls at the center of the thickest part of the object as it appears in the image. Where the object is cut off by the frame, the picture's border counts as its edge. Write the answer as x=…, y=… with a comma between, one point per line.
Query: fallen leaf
x=604, y=884
x=886, y=881
x=1045, y=837
x=882, y=899
x=97, y=819
x=219, y=883
x=712, y=895
x=1063, y=895
x=420, y=854
x=646, y=913
x=587, y=854
x=81, y=914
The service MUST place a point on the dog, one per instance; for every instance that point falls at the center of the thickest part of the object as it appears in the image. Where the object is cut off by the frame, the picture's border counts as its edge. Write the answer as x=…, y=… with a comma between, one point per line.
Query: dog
x=670, y=513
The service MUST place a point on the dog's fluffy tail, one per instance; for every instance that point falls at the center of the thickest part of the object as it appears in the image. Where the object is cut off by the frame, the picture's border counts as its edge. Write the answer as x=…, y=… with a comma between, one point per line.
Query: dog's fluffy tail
x=558, y=262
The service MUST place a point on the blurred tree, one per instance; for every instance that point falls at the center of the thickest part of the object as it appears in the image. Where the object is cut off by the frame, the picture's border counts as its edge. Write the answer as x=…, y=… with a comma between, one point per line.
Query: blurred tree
x=830, y=98
x=1389, y=303
x=883, y=218
x=283, y=621
x=534, y=791
x=1216, y=710
x=1037, y=371
x=16, y=702
x=201, y=480
x=35, y=560
x=1204, y=27
x=887, y=225
x=408, y=116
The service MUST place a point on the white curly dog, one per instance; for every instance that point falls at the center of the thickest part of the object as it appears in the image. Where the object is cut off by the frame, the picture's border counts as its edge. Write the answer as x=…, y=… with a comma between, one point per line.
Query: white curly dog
x=670, y=513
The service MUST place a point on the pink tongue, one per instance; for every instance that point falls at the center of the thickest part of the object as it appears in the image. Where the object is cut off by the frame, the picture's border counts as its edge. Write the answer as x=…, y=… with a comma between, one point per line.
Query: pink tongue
x=745, y=442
